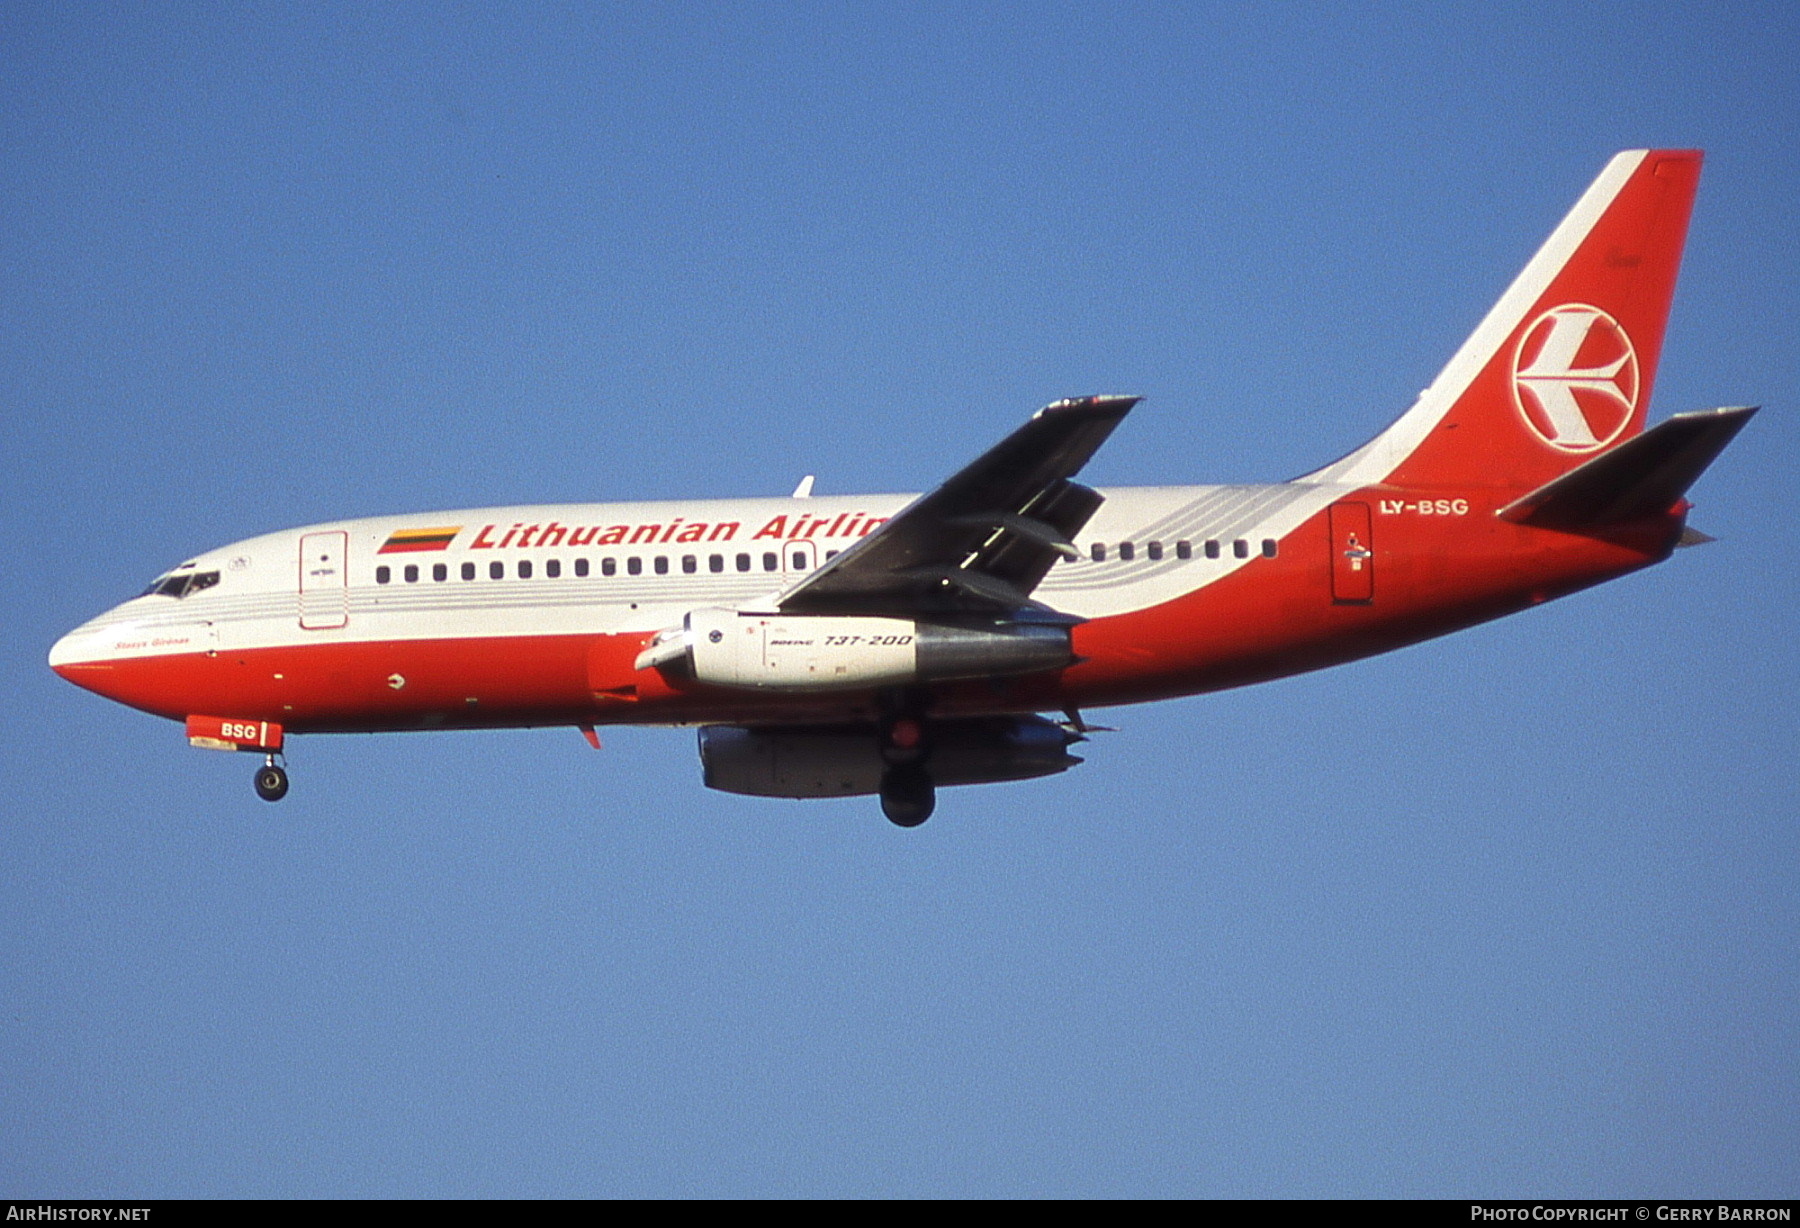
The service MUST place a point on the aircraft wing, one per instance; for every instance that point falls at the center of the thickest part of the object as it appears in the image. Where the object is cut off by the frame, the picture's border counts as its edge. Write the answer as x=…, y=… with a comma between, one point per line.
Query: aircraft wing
x=982, y=541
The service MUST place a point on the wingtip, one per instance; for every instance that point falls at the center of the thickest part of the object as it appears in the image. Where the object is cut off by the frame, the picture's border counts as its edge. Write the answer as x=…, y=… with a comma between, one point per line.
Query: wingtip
x=1722, y=411
x=1105, y=404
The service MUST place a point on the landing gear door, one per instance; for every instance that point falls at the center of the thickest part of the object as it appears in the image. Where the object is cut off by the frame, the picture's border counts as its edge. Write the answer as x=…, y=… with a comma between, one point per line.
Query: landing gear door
x=1352, y=554
x=324, y=581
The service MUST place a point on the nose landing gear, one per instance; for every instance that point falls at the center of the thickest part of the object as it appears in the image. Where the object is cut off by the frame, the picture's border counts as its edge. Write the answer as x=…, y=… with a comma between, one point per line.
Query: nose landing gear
x=271, y=780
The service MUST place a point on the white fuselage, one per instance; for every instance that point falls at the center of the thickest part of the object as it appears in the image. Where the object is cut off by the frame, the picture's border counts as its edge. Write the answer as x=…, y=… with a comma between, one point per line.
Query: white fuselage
x=658, y=561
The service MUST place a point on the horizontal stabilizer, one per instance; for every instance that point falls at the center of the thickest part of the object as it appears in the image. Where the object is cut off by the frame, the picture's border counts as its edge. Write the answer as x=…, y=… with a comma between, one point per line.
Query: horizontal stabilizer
x=1643, y=476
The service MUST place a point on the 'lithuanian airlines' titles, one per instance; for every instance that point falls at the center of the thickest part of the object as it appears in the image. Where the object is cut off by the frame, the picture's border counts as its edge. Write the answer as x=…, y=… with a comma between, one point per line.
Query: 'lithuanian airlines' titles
x=679, y=531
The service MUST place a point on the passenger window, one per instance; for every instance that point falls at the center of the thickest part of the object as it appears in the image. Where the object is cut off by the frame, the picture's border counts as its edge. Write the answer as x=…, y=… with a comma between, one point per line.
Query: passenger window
x=689, y=564
x=743, y=562
x=634, y=565
x=771, y=561
x=830, y=554
x=1127, y=552
x=662, y=564
x=1212, y=549
x=1184, y=550
x=715, y=563
x=553, y=568
x=439, y=572
x=468, y=571
x=799, y=561
x=383, y=575
x=1241, y=548
x=581, y=567
x=1098, y=551
x=412, y=573
x=524, y=569
x=1269, y=547
x=1154, y=550
x=496, y=571
x=608, y=567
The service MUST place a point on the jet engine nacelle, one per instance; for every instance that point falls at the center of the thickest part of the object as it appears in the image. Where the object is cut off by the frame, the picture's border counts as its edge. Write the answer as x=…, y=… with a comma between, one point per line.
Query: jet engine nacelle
x=846, y=761
x=821, y=652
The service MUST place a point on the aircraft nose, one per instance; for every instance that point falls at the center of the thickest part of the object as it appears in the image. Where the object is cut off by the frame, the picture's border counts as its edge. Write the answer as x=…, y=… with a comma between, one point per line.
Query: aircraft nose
x=118, y=659
x=81, y=658
x=69, y=650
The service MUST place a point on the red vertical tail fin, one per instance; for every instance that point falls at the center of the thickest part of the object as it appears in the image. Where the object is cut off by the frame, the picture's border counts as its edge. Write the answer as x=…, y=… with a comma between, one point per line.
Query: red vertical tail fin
x=1562, y=366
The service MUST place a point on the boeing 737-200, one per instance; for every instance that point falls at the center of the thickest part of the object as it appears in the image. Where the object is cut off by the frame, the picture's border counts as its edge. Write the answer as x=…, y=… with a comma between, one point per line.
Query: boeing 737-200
x=890, y=644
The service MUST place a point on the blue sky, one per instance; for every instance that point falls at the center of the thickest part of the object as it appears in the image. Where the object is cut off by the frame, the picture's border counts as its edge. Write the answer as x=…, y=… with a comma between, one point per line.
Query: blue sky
x=1508, y=913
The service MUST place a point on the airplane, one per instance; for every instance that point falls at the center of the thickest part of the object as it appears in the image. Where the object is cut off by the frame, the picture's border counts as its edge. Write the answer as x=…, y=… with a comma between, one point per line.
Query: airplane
x=892, y=644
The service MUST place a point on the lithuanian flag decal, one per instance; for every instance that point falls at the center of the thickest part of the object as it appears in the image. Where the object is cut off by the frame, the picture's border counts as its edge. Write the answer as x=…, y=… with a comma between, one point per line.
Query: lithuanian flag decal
x=410, y=541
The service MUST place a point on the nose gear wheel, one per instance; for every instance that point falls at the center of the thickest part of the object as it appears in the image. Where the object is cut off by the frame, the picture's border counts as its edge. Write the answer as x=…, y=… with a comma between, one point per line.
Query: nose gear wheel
x=271, y=781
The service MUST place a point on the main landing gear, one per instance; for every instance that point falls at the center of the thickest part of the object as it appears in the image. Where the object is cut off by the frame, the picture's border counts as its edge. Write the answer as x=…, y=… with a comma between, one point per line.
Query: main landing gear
x=271, y=780
x=908, y=795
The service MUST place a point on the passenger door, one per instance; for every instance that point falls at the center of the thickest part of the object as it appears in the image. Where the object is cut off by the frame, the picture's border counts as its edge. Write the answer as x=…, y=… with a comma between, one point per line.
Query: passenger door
x=324, y=581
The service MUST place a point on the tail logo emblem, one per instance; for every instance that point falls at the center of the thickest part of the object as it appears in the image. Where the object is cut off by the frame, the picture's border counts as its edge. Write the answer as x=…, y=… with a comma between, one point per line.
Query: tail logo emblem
x=1575, y=378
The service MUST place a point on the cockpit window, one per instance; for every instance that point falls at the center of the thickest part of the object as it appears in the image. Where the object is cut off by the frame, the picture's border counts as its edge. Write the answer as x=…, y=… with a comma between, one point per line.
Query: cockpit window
x=181, y=584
